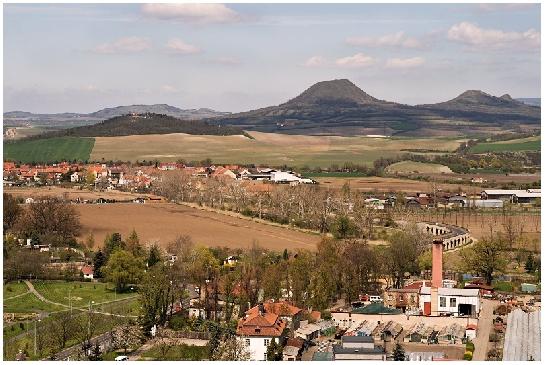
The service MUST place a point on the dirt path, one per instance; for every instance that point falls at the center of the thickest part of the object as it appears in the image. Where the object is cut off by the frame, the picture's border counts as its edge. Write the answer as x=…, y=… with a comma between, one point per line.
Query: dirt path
x=43, y=299
x=483, y=331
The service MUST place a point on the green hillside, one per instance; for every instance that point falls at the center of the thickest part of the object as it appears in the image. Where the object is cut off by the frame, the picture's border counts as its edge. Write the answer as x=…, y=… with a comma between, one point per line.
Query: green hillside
x=49, y=150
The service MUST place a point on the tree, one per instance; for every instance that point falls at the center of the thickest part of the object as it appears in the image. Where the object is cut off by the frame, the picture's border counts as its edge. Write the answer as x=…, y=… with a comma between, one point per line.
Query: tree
x=156, y=292
x=343, y=227
x=112, y=243
x=90, y=178
x=96, y=354
x=126, y=336
x=12, y=210
x=399, y=353
x=50, y=220
x=62, y=329
x=530, y=265
x=90, y=241
x=274, y=351
x=98, y=262
x=324, y=285
x=485, y=257
x=122, y=268
x=134, y=246
x=154, y=255
x=231, y=349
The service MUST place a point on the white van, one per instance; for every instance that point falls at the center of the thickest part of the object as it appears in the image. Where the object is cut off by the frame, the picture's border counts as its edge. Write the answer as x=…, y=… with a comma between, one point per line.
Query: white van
x=122, y=358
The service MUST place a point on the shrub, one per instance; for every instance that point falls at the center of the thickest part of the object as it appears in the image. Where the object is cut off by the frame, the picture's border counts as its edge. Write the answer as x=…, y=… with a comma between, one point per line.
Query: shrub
x=470, y=346
x=468, y=355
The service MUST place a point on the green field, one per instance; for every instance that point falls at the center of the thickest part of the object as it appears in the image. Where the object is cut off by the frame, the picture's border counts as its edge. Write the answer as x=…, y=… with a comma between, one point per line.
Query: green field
x=522, y=144
x=28, y=303
x=49, y=150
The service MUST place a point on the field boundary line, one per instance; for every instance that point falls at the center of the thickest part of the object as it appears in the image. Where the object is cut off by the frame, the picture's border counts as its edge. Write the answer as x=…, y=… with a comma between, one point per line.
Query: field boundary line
x=253, y=219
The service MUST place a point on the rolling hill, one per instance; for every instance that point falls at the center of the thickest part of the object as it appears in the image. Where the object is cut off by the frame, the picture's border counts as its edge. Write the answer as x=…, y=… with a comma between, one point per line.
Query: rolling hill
x=339, y=107
x=141, y=124
x=107, y=113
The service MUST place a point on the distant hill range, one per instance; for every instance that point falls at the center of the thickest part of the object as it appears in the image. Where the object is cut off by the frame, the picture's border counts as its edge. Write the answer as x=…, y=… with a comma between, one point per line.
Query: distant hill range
x=530, y=101
x=146, y=123
x=107, y=113
x=340, y=107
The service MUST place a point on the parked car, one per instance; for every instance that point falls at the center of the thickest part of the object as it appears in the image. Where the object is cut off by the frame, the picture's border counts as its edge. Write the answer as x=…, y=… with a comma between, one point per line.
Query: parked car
x=122, y=358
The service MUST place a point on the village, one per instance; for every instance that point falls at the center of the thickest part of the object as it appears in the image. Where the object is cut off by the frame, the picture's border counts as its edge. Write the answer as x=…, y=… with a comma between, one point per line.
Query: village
x=423, y=313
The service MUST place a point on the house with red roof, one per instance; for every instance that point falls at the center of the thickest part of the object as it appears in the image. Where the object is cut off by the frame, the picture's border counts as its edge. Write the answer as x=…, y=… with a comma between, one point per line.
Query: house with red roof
x=258, y=328
x=87, y=271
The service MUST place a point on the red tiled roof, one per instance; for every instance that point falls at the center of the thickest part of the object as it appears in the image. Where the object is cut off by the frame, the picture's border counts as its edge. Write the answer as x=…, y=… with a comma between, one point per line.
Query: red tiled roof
x=282, y=308
x=87, y=270
x=267, y=324
x=471, y=326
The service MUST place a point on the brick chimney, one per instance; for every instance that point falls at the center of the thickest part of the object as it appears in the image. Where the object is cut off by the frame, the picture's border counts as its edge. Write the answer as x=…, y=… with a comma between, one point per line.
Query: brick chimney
x=437, y=263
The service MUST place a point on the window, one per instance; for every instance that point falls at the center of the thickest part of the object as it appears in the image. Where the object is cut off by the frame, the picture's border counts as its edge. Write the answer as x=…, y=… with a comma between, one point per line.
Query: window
x=265, y=356
x=453, y=302
x=247, y=342
x=267, y=341
x=442, y=301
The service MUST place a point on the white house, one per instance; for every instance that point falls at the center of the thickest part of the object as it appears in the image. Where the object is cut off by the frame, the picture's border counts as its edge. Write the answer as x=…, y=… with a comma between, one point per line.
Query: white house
x=457, y=302
x=257, y=329
x=75, y=177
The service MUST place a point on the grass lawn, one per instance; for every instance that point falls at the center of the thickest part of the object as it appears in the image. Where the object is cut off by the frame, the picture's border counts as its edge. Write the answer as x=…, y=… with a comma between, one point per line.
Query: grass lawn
x=178, y=352
x=49, y=150
x=28, y=303
x=13, y=289
x=80, y=293
x=522, y=144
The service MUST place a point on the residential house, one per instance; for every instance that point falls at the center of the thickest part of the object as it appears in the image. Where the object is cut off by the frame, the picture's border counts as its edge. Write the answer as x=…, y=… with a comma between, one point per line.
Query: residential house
x=405, y=299
x=258, y=328
x=289, y=313
x=87, y=272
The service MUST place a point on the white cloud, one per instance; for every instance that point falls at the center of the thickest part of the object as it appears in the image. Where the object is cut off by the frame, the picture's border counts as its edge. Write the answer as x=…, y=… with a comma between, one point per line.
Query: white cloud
x=193, y=13
x=398, y=39
x=473, y=35
x=178, y=46
x=356, y=61
x=315, y=61
x=405, y=62
x=124, y=45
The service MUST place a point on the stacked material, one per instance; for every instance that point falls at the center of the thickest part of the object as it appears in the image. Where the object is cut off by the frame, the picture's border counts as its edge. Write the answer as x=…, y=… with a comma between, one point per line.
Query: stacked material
x=522, y=338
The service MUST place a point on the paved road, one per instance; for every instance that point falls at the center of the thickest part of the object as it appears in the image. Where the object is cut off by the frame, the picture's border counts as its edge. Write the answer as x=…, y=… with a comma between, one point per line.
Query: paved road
x=71, y=353
x=483, y=330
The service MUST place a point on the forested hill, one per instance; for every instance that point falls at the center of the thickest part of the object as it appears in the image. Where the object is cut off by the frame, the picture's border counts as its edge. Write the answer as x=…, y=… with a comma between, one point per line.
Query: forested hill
x=147, y=123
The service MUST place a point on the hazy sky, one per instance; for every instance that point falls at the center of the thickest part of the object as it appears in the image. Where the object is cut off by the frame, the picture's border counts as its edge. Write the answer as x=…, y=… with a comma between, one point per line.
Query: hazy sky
x=235, y=57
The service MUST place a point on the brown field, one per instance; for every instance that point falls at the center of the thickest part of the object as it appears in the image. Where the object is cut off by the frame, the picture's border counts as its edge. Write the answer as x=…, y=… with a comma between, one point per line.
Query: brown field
x=388, y=184
x=71, y=194
x=162, y=222
x=265, y=148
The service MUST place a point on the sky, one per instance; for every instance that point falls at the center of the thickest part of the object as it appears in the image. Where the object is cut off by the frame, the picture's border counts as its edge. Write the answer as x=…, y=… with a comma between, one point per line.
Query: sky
x=238, y=57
